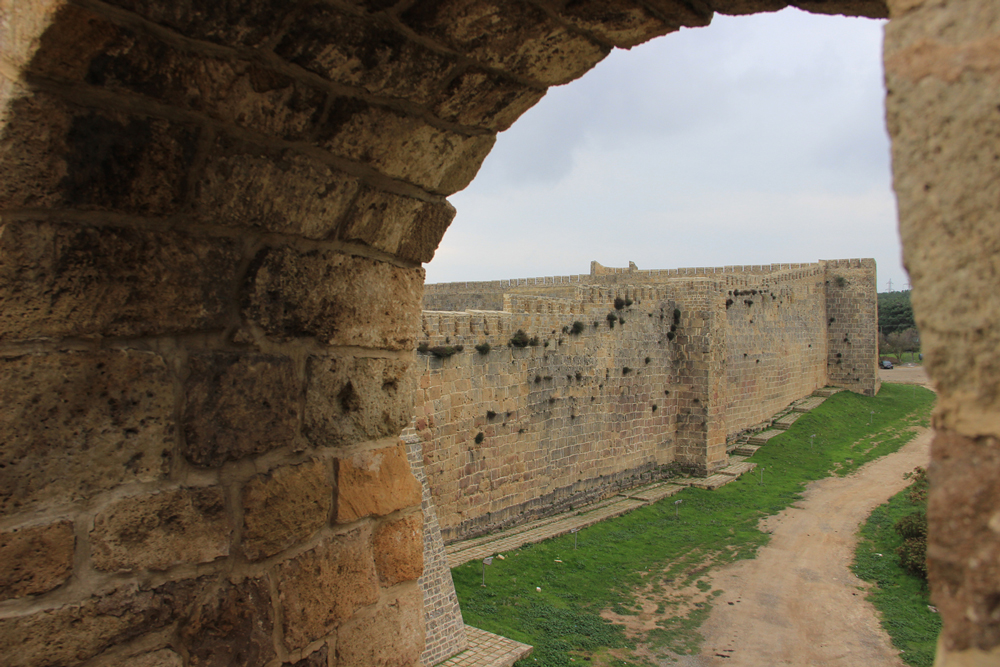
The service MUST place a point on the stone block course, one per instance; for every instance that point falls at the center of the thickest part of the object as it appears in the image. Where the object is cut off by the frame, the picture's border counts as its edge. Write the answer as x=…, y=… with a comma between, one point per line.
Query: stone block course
x=160, y=530
x=486, y=99
x=285, y=506
x=77, y=280
x=323, y=587
x=399, y=549
x=56, y=155
x=354, y=400
x=375, y=483
x=402, y=226
x=391, y=634
x=230, y=624
x=238, y=405
x=338, y=299
x=37, y=559
x=276, y=191
x=60, y=445
x=513, y=36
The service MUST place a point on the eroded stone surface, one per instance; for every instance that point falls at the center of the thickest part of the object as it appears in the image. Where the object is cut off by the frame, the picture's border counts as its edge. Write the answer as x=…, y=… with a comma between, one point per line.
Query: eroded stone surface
x=54, y=155
x=963, y=546
x=68, y=636
x=355, y=400
x=238, y=405
x=315, y=659
x=36, y=559
x=404, y=147
x=160, y=530
x=375, y=483
x=393, y=634
x=339, y=299
x=284, y=507
x=323, y=587
x=399, y=549
x=511, y=35
x=230, y=625
x=367, y=53
x=244, y=186
x=78, y=280
x=77, y=423
x=408, y=228
x=486, y=99
x=624, y=23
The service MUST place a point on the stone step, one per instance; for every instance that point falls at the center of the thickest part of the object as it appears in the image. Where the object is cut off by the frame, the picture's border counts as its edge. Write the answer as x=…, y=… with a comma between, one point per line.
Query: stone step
x=651, y=495
x=784, y=422
x=736, y=458
x=737, y=469
x=746, y=450
x=827, y=391
x=762, y=437
x=808, y=404
x=712, y=482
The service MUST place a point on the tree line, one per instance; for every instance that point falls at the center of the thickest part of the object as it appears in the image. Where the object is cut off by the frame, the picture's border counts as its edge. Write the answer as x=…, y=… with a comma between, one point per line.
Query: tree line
x=897, y=329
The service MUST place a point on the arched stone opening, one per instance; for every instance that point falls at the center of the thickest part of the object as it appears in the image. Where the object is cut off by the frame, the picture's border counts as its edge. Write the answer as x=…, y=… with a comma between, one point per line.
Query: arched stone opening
x=213, y=221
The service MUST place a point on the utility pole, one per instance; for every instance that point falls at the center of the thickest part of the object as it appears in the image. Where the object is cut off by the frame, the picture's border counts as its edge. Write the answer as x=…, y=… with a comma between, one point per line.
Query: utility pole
x=890, y=285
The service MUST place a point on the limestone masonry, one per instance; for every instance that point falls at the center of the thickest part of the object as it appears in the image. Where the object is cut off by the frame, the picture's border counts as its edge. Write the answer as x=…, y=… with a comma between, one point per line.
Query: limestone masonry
x=622, y=373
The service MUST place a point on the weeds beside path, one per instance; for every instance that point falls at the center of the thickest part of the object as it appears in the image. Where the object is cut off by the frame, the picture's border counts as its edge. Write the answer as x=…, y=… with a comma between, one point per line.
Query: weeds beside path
x=654, y=565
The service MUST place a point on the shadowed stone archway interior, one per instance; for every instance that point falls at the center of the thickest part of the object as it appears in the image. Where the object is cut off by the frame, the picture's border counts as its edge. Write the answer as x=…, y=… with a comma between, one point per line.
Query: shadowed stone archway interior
x=213, y=220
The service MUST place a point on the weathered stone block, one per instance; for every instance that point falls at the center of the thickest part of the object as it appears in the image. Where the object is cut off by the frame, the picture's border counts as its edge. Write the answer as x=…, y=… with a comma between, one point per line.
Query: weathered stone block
x=375, y=483
x=873, y=9
x=319, y=658
x=234, y=23
x=355, y=400
x=287, y=193
x=408, y=228
x=367, y=52
x=35, y=559
x=238, y=405
x=325, y=586
x=393, y=634
x=399, y=549
x=622, y=23
x=77, y=423
x=160, y=530
x=56, y=155
x=404, y=147
x=75, y=280
x=339, y=299
x=284, y=507
x=161, y=658
x=485, y=99
x=230, y=625
x=70, y=635
x=510, y=35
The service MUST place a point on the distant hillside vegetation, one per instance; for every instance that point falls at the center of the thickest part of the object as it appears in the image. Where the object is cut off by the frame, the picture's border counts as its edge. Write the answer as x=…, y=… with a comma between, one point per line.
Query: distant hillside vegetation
x=895, y=312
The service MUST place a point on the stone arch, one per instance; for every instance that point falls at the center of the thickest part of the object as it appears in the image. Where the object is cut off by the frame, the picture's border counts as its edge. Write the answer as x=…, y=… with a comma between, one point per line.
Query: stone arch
x=213, y=220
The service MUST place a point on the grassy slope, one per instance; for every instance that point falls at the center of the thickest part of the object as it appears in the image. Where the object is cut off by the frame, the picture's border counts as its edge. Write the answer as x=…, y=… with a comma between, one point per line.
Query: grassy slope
x=616, y=556
x=902, y=599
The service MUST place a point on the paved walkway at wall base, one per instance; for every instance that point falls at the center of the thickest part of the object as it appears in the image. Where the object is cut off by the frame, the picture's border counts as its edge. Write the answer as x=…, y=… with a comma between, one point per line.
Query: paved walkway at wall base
x=486, y=649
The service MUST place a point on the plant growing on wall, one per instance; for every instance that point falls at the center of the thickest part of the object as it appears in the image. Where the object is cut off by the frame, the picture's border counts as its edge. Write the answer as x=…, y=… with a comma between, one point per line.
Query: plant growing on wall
x=519, y=339
x=534, y=341
x=577, y=328
x=840, y=281
x=619, y=303
x=612, y=318
x=626, y=370
x=444, y=351
x=480, y=437
x=490, y=414
x=677, y=315
x=483, y=348
x=423, y=348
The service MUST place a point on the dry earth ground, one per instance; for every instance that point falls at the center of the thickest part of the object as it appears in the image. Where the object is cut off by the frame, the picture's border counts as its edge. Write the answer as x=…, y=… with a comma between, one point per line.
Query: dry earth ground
x=797, y=603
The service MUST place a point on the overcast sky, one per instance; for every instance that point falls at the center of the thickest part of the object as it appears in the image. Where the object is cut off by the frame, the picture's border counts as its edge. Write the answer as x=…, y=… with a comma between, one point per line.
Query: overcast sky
x=756, y=140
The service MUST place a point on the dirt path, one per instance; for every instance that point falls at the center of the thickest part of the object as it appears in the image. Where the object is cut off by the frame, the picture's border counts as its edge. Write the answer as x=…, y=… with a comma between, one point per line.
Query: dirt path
x=797, y=603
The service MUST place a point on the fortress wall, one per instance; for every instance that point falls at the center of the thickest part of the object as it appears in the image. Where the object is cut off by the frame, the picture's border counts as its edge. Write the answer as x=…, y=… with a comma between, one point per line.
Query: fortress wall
x=852, y=325
x=775, y=345
x=570, y=425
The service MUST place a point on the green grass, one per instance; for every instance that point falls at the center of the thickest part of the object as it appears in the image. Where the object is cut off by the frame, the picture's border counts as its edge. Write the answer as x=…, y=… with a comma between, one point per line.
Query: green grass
x=617, y=557
x=901, y=598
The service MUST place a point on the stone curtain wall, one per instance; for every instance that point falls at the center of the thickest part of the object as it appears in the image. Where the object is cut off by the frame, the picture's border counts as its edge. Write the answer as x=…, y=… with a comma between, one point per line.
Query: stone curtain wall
x=776, y=343
x=852, y=314
x=569, y=422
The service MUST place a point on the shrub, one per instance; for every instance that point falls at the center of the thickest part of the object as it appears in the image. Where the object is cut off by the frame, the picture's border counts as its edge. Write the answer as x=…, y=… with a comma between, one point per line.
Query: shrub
x=579, y=375
x=577, y=328
x=671, y=335
x=648, y=359
x=483, y=348
x=619, y=303
x=534, y=341
x=423, y=348
x=677, y=316
x=626, y=370
x=443, y=351
x=612, y=318
x=628, y=302
x=479, y=438
x=519, y=339
x=840, y=281
x=913, y=552
x=490, y=414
